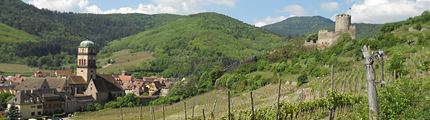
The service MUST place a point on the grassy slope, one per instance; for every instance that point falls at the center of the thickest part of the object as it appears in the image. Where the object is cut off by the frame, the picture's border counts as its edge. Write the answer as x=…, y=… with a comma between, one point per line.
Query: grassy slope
x=122, y=59
x=10, y=34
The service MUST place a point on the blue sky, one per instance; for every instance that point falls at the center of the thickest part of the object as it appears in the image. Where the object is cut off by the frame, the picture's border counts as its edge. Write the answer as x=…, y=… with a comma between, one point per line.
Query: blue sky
x=254, y=12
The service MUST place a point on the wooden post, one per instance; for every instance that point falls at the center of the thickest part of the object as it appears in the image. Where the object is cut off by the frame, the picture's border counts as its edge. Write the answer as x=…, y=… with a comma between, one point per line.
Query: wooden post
x=277, y=103
x=150, y=112
x=332, y=77
x=228, y=105
x=424, y=78
x=331, y=109
x=192, y=113
x=120, y=107
x=371, y=88
x=213, y=110
x=395, y=75
x=164, y=117
x=252, y=107
x=140, y=112
x=185, y=110
x=382, y=69
x=153, y=112
x=203, y=111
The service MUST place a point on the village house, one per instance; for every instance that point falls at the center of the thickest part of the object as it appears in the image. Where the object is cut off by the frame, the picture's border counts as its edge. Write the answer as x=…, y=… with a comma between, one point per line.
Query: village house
x=9, y=89
x=29, y=103
x=63, y=73
x=41, y=74
x=60, y=84
x=17, y=79
x=102, y=87
x=33, y=84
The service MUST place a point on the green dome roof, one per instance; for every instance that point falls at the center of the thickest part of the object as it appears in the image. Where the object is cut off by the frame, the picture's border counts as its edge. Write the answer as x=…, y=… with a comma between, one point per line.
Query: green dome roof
x=87, y=43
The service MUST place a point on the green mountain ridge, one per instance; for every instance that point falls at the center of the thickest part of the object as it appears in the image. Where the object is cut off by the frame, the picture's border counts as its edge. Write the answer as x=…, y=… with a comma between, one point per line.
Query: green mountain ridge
x=63, y=30
x=305, y=25
x=214, y=39
x=299, y=25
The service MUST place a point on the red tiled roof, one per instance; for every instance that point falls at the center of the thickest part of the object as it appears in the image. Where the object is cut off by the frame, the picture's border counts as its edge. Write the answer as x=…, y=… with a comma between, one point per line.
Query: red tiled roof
x=40, y=74
x=17, y=78
x=68, y=72
x=124, y=78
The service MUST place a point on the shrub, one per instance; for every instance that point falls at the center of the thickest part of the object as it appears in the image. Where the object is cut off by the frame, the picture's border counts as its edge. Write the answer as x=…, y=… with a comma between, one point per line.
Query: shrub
x=302, y=79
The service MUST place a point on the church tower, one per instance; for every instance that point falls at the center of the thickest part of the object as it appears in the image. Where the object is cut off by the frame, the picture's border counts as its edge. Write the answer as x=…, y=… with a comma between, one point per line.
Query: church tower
x=86, y=62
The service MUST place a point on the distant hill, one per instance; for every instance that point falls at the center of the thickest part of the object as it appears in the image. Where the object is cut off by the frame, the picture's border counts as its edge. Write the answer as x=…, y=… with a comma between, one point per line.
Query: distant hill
x=299, y=25
x=61, y=31
x=199, y=42
x=55, y=35
x=305, y=25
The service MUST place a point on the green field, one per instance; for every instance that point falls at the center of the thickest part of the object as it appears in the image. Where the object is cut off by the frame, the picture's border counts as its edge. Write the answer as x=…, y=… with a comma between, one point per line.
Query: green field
x=122, y=59
x=10, y=69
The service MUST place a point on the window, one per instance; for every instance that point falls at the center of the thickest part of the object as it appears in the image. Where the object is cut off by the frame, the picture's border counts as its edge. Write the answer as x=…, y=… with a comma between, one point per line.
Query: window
x=33, y=106
x=32, y=113
x=39, y=113
x=82, y=70
x=39, y=107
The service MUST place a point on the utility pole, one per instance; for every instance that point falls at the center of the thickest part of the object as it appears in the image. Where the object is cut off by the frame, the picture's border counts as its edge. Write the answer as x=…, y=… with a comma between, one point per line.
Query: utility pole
x=371, y=88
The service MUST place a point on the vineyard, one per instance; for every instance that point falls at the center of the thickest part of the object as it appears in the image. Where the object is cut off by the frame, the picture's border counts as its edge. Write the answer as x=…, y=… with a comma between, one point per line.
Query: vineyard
x=310, y=101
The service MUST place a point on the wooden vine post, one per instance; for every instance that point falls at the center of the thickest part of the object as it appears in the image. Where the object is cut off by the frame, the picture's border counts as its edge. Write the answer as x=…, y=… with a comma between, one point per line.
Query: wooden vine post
x=371, y=87
x=277, y=103
x=331, y=109
x=164, y=117
x=228, y=105
x=252, y=107
x=185, y=110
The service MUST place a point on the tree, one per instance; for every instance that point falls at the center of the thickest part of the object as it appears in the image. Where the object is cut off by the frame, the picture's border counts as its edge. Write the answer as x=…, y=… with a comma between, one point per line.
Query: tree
x=6, y=96
x=13, y=113
x=418, y=26
x=312, y=37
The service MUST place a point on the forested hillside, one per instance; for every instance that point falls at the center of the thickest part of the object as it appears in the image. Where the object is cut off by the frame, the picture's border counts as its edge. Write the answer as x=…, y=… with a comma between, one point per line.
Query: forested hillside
x=308, y=25
x=198, y=43
x=299, y=25
x=61, y=31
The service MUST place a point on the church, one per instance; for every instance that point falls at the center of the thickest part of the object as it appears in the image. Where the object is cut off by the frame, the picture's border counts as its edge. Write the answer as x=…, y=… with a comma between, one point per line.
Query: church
x=88, y=82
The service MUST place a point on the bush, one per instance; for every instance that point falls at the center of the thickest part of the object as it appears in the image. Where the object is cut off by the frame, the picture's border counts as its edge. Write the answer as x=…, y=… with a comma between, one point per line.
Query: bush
x=302, y=79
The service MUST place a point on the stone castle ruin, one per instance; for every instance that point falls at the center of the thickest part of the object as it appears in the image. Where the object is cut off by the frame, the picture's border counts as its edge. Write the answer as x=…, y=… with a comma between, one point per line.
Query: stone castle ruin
x=326, y=38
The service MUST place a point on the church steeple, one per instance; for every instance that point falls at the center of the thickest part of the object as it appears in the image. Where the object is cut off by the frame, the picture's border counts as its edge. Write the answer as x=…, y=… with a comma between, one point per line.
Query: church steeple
x=86, y=61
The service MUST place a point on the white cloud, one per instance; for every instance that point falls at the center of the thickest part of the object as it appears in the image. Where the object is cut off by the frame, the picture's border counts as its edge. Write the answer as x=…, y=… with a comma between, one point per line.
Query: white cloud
x=294, y=10
x=382, y=11
x=268, y=20
x=330, y=6
x=157, y=6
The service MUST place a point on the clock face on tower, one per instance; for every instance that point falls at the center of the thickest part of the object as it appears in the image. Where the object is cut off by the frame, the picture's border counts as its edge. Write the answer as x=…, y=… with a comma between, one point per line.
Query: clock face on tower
x=82, y=57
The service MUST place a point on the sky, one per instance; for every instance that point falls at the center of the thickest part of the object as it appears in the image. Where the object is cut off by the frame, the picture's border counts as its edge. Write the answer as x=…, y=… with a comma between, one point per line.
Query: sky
x=254, y=12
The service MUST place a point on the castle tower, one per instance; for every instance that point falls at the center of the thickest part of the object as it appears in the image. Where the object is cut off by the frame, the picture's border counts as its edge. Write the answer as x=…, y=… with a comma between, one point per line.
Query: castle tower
x=86, y=65
x=343, y=21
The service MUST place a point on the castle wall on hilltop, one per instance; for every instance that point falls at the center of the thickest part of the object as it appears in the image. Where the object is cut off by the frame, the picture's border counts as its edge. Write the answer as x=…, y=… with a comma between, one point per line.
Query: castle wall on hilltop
x=343, y=25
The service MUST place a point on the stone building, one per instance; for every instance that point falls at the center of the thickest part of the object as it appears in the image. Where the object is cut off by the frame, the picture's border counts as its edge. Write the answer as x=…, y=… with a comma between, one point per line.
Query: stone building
x=326, y=38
